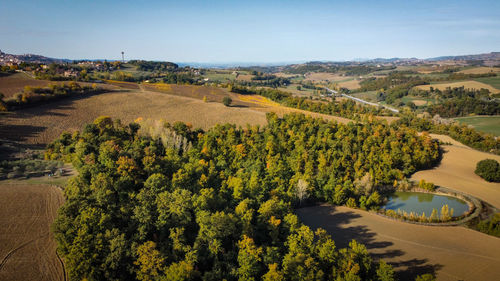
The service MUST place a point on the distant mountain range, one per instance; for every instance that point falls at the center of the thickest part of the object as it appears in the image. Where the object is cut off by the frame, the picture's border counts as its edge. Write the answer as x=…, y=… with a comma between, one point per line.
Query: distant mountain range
x=492, y=58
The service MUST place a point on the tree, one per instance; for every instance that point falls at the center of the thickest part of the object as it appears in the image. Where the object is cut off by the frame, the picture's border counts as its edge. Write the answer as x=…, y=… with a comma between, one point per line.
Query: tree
x=249, y=258
x=385, y=272
x=227, y=101
x=149, y=260
x=301, y=190
x=425, y=277
x=488, y=169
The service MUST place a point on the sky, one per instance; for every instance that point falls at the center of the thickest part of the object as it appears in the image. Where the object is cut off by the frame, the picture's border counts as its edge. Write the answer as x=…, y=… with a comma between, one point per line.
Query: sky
x=248, y=31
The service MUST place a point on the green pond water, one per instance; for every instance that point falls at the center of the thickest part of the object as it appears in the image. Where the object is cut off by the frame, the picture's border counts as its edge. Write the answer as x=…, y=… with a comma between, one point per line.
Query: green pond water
x=419, y=202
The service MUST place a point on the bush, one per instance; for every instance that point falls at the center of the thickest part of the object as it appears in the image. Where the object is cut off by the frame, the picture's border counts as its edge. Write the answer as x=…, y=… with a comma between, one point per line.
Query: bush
x=489, y=170
x=227, y=101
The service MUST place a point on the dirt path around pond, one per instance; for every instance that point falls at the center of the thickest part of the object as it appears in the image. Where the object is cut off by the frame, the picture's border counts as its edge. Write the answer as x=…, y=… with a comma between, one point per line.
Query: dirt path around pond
x=452, y=253
x=456, y=172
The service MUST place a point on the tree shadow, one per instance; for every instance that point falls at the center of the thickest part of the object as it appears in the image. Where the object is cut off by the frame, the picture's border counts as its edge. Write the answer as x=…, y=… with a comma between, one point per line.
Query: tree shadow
x=19, y=133
x=414, y=267
x=339, y=224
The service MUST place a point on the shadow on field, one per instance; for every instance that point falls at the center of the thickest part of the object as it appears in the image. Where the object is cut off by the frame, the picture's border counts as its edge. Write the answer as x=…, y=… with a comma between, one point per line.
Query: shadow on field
x=19, y=133
x=340, y=225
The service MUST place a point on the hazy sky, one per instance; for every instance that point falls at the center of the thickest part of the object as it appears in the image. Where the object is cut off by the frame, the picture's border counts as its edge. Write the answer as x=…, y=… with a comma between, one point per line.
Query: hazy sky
x=248, y=31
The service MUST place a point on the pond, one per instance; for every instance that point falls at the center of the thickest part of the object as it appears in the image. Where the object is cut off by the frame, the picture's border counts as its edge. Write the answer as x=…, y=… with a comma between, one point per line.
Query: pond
x=419, y=202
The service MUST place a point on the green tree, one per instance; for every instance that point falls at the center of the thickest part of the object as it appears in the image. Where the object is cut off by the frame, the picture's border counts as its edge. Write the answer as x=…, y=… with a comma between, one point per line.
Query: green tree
x=227, y=101
x=488, y=169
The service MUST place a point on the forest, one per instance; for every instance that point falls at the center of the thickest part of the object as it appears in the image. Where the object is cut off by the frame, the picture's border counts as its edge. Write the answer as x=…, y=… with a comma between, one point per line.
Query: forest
x=219, y=204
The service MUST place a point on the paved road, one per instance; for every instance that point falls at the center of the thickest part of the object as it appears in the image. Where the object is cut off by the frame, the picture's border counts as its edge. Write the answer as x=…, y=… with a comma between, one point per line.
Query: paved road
x=363, y=101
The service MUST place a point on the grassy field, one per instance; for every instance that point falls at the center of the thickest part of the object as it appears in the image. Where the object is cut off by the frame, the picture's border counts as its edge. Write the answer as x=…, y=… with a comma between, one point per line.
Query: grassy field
x=487, y=124
x=492, y=81
x=303, y=92
x=418, y=101
x=12, y=84
x=411, y=249
x=368, y=96
x=456, y=171
x=27, y=246
x=467, y=84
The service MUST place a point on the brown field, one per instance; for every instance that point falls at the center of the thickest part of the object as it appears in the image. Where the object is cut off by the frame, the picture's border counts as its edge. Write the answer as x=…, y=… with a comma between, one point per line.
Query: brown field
x=452, y=253
x=351, y=85
x=467, y=84
x=12, y=84
x=123, y=84
x=480, y=70
x=244, y=77
x=322, y=76
x=42, y=124
x=456, y=171
x=27, y=246
x=419, y=102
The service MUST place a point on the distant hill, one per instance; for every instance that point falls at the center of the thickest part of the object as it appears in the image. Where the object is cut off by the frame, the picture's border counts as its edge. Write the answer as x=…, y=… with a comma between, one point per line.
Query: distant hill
x=493, y=56
x=10, y=58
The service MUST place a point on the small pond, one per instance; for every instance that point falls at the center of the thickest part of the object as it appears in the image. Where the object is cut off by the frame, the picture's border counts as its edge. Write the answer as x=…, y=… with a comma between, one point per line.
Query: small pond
x=419, y=202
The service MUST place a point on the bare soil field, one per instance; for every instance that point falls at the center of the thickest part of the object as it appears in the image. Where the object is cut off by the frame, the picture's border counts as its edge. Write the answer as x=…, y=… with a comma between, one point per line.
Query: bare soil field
x=322, y=76
x=27, y=246
x=12, y=84
x=419, y=102
x=467, y=84
x=456, y=171
x=480, y=70
x=411, y=249
x=42, y=124
x=351, y=85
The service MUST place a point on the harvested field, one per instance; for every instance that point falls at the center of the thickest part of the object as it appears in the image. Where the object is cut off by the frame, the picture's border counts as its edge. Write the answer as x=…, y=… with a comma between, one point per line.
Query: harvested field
x=15, y=83
x=467, y=84
x=351, y=84
x=419, y=102
x=411, y=249
x=123, y=84
x=42, y=124
x=456, y=171
x=324, y=76
x=213, y=94
x=27, y=246
x=480, y=70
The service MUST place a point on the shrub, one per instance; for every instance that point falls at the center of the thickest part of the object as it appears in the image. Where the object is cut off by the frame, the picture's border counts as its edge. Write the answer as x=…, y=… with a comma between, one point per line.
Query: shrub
x=227, y=101
x=489, y=170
